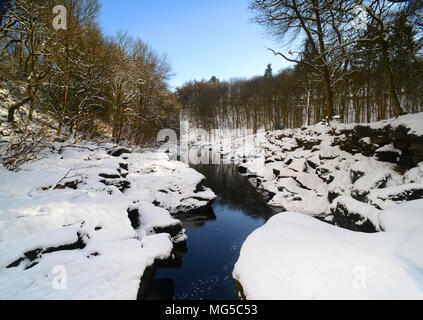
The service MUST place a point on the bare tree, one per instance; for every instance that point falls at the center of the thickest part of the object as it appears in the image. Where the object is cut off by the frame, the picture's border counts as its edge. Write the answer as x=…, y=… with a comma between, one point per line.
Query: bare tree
x=27, y=29
x=322, y=23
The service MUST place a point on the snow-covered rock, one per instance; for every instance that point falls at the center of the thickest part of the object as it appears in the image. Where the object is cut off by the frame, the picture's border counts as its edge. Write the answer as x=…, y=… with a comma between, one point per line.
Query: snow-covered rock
x=384, y=198
x=355, y=215
x=82, y=224
x=375, y=180
x=317, y=158
x=117, y=152
x=389, y=153
x=295, y=256
x=301, y=203
x=298, y=165
x=414, y=175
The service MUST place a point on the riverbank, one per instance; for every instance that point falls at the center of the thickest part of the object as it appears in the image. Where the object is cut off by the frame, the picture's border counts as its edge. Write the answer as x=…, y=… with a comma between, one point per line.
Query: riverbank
x=86, y=220
x=356, y=191
x=333, y=171
x=295, y=256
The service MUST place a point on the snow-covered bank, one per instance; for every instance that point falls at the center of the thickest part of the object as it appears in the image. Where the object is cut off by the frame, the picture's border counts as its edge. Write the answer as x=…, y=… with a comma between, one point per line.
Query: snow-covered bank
x=305, y=170
x=83, y=224
x=295, y=256
x=364, y=184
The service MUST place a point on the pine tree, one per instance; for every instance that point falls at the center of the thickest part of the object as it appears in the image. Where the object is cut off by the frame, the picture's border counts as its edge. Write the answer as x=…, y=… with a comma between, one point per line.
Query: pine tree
x=214, y=80
x=268, y=74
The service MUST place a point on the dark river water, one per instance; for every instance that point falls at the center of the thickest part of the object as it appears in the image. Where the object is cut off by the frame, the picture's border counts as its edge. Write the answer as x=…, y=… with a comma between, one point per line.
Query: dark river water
x=204, y=270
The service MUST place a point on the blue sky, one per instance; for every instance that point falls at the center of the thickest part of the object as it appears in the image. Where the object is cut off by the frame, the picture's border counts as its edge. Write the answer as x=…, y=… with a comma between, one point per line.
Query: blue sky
x=201, y=38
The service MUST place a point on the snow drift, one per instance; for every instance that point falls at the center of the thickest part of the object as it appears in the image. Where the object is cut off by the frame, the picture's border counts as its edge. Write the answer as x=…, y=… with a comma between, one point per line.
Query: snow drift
x=295, y=256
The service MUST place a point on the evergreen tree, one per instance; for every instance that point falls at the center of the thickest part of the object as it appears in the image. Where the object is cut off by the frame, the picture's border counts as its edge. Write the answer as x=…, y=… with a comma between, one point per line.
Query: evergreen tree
x=214, y=80
x=268, y=74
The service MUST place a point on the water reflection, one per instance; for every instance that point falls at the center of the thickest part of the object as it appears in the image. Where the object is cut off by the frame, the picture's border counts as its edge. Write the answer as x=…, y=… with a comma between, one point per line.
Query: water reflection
x=203, y=270
x=234, y=190
x=197, y=221
x=161, y=289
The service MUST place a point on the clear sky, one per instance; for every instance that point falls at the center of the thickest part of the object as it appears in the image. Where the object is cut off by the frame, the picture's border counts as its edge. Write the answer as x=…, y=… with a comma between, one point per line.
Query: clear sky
x=201, y=38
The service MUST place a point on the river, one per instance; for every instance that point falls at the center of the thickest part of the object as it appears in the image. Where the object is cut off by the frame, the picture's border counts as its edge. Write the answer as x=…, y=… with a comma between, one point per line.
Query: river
x=204, y=270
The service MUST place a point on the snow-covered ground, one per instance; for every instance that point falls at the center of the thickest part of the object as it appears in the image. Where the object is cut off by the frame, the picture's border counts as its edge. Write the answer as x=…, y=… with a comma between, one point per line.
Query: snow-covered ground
x=83, y=224
x=305, y=170
x=85, y=220
x=354, y=179
x=295, y=256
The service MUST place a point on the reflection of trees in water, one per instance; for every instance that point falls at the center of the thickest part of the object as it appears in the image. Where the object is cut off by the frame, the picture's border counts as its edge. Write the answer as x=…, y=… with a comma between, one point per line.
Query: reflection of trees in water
x=234, y=193
x=197, y=221
x=234, y=190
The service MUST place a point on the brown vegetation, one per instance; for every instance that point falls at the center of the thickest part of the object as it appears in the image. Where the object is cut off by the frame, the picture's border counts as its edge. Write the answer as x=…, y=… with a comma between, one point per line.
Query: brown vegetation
x=82, y=79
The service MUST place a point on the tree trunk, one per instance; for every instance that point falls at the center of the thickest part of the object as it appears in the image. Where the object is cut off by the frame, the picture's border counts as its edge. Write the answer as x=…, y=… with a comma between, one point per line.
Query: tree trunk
x=65, y=94
x=32, y=95
x=308, y=108
x=21, y=50
x=12, y=109
x=31, y=110
x=368, y=105
x=328, y=94
x=65, y=101
x=325, y=68
x=389, y=80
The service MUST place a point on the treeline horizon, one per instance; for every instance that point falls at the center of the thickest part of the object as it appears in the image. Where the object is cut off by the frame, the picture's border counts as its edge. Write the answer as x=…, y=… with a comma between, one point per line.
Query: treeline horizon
x=89, y=83
x=356, y=75
x=93, y=85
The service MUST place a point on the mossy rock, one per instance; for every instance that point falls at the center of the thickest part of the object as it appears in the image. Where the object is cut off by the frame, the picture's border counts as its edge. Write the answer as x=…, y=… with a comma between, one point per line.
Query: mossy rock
x=240, y=291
